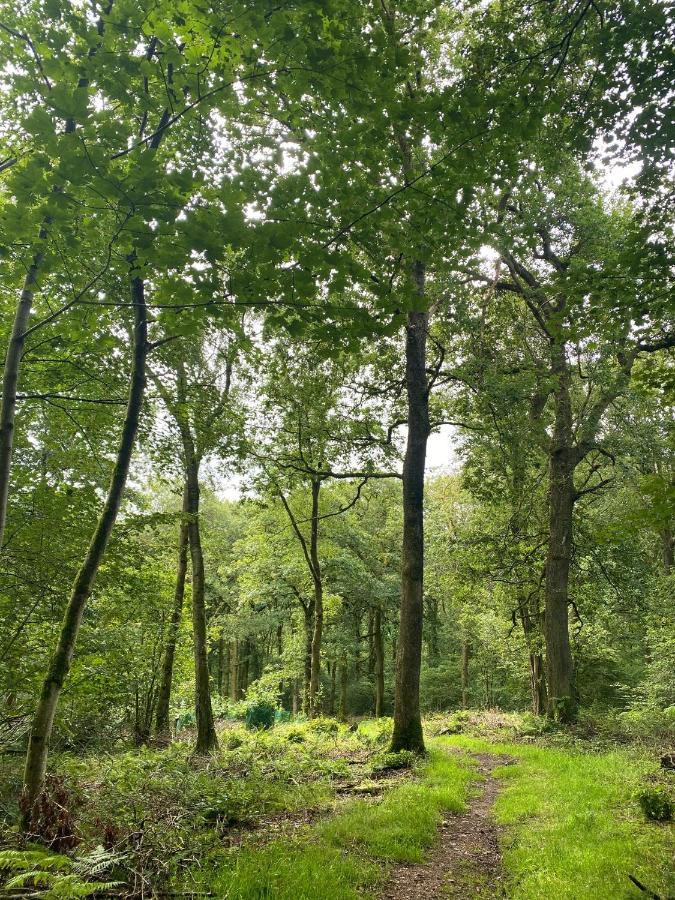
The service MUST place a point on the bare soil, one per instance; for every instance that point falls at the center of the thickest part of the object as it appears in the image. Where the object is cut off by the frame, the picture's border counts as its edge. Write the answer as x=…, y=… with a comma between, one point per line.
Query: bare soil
x=465, y=861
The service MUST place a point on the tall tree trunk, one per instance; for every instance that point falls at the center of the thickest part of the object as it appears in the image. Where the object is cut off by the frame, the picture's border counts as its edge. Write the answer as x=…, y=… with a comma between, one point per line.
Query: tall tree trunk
x=162, y=728
x=38, y=746
x=562, y=462
x=343, y=690
x=234, y=671
x=206, y=732
x=466, y=656
x=333, y=688
x=315, y=676
x=407, y=720
x=244, y=667
x=10, y=377
x=309, y=633
x=225, y=683
x=537, y=684
x=378, y=649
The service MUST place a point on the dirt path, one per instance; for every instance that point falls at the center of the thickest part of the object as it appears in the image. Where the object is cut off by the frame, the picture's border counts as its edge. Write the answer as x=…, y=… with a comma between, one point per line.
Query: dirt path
x=465, y=861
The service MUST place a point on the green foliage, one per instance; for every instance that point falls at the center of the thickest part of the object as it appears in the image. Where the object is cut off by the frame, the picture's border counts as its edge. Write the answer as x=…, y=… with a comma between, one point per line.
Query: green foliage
x=259, y=714
x=403, y=759
x=656, y=803
x=55, y=877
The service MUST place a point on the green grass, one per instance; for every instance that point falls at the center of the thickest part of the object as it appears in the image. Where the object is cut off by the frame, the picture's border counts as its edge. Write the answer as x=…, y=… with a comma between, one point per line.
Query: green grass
x=573, y=828
x=344, y=856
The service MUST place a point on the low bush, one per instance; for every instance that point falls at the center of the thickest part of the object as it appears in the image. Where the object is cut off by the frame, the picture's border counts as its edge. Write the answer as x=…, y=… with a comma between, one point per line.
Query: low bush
x=260, y=714
x=656, y=804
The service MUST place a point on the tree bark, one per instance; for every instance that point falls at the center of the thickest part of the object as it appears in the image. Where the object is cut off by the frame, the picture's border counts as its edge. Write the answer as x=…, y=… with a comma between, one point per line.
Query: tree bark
x=562, y=462
x=43, y=721
x=206, y=732
x=315, y=675
x=333, y=688
x=234, y=671
x=407, y=733
x=10, y=378
x=466, y=656
x=378, y=649
x=343, y=690
x=162, y=727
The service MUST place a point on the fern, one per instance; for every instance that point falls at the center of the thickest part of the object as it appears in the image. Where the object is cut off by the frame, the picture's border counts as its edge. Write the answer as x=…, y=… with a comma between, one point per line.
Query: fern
x=57, y=877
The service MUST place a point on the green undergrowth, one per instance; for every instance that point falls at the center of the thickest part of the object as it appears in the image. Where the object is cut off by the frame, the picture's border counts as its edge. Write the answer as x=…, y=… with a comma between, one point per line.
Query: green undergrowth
x=347, y=854
x=573, y=825
x=157, y=810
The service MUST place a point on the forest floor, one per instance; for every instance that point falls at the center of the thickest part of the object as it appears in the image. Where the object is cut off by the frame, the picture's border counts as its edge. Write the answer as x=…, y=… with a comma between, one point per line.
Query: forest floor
x=500, y=808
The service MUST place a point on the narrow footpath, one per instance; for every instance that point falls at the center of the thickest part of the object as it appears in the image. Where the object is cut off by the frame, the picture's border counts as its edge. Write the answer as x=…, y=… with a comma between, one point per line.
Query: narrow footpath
x=465, y=861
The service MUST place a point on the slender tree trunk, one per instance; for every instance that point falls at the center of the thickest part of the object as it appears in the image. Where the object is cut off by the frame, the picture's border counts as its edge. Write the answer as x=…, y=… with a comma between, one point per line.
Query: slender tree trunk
x=378, y=650
x=466, y=656
x=309, y=632
x=407, y=720
x=244, y=667
x=537, y=684
x=371, y=643
x=38, y=746
x=10, y=378
x=206, y=732
x=431, y=629
x=315, y=675
x=562, y=461
x=333, y=688
x=343, y=690
x=225, y=684
x=162, y=726
x=234, y=671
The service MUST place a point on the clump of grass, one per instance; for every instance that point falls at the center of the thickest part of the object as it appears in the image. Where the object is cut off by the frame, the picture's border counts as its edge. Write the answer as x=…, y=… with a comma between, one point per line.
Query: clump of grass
x=402, y=759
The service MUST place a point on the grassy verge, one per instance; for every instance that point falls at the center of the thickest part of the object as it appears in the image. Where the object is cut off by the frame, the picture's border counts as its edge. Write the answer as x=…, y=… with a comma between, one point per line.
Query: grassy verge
x=343, y=857
x=572, y=826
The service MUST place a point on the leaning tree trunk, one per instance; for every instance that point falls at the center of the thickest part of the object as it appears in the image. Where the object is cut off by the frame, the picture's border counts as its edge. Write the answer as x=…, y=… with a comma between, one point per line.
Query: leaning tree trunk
x=561, y=496
x=38, y=746
x=378, y=649
x=407, y=720
x=10, y=376
x=315, y=675
x=162, y=729
x=206, y=732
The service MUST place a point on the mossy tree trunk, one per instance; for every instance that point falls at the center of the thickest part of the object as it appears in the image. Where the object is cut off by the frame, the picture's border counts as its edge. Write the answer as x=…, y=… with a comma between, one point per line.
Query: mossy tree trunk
x=59, y=666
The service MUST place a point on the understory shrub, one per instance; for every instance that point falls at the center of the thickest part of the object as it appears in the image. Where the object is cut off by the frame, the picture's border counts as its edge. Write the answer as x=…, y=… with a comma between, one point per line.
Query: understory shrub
x=260, y=714
x=656, y=804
